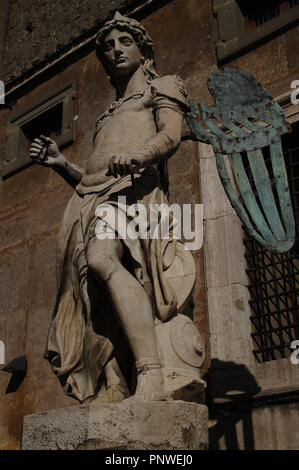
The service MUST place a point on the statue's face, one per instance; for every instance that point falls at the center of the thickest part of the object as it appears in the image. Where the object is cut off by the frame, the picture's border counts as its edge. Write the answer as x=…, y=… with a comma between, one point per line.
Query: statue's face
x=121, y=53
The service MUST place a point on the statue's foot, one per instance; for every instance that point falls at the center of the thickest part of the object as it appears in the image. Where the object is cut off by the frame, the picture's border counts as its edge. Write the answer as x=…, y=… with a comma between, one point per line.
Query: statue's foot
x=150, y=386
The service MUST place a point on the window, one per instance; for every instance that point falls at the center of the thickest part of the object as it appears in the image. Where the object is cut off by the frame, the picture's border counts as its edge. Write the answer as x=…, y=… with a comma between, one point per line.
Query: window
x=53, y=117
x=243, y=24
x=293, y=3
x=274, y=278
x=258, y=13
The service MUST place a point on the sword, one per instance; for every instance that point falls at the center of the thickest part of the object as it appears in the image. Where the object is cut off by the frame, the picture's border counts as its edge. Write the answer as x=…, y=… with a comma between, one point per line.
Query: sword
x=134, y=187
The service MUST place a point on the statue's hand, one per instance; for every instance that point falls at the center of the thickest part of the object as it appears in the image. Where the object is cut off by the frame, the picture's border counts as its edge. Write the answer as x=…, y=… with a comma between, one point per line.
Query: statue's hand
x=122, y=165
x=45, y=151
x=143, y=159
x=126, y=164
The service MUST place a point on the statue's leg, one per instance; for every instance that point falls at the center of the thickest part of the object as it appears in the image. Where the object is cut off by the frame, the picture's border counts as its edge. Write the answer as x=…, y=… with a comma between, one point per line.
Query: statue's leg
x=133, y=308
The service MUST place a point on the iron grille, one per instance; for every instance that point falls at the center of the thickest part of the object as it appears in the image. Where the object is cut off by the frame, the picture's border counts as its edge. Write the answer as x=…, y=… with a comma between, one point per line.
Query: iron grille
x=267, y=15
x=274, y=278
x=256, y=12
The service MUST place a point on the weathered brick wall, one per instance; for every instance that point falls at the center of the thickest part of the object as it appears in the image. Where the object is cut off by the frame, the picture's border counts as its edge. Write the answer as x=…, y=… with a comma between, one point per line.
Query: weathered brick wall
x=33, y=200
x=39, y=30
x=4, y=12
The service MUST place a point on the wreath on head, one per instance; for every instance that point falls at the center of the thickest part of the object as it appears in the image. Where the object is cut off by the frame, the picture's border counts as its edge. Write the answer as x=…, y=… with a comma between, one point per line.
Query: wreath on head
x=139, y=33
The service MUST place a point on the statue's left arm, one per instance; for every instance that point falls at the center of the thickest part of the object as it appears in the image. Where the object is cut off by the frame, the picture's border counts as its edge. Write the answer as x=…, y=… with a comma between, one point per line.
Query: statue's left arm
x=165, y=143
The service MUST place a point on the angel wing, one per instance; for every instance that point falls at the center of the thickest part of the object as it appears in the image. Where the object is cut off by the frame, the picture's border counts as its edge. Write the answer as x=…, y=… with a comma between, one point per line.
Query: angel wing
x=244, y=122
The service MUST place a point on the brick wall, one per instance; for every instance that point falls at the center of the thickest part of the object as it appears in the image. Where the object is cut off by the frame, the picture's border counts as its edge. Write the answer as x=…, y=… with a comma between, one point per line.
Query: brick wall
x=40, y=30
x=4, y=12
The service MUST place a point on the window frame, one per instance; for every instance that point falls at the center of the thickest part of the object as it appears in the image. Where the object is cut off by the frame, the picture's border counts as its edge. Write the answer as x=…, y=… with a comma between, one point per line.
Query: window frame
x=15, y=157
x=233, y=39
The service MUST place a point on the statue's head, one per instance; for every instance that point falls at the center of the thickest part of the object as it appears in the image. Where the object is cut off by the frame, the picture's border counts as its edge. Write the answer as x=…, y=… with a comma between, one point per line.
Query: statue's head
x=134, y=31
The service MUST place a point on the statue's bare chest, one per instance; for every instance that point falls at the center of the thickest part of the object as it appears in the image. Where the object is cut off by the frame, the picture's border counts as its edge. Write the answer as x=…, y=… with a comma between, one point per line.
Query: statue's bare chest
x=121, y=114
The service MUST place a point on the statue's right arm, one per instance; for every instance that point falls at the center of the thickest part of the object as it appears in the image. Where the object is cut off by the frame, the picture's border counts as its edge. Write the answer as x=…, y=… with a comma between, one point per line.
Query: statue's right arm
x=46, y=152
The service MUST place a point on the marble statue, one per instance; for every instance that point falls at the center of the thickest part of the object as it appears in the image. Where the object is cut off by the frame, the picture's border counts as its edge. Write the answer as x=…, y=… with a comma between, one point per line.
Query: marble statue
x=118, y=330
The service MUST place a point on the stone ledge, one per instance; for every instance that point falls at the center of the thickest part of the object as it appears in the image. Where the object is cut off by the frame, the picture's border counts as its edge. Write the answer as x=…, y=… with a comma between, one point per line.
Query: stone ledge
x=129, y=425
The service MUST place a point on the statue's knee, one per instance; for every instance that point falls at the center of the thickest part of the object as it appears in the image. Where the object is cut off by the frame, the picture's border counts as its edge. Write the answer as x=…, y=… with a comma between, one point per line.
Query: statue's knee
x=101, y=264
x=102, y=267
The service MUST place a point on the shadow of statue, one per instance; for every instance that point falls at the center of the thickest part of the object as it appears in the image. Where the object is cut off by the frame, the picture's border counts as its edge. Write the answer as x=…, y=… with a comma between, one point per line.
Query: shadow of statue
x=230, y=390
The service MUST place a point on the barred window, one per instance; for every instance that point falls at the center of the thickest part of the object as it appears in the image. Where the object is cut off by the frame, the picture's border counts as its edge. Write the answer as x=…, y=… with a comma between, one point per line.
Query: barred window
x=244, y=24
x=293, y=3
x=52, y=116
x=257, y=13
x=274, y=278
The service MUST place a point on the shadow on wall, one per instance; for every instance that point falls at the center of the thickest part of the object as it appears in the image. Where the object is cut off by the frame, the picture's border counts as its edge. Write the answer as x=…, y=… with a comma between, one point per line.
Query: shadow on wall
x=17, y=368
x=230, y=389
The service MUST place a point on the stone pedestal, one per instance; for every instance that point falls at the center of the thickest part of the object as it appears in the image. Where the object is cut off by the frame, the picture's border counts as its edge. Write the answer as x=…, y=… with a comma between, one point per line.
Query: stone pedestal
x=129, y=425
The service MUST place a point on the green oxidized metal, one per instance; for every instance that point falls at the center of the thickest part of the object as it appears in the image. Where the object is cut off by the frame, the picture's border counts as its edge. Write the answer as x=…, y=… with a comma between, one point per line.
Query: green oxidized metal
x=246, y=120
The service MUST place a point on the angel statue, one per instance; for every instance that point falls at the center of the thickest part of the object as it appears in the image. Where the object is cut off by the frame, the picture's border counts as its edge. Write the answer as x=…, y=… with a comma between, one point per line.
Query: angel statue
x=117, y=330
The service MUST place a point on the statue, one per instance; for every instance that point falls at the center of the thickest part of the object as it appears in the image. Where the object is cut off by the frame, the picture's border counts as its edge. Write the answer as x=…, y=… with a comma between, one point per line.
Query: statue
x=114, y=299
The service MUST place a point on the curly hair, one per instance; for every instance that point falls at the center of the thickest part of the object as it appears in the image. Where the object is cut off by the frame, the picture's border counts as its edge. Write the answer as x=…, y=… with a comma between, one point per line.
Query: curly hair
x=140, y=35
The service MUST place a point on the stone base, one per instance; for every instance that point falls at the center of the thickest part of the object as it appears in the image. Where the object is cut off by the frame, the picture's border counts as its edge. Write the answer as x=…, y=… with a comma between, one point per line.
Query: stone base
x=129, y=425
